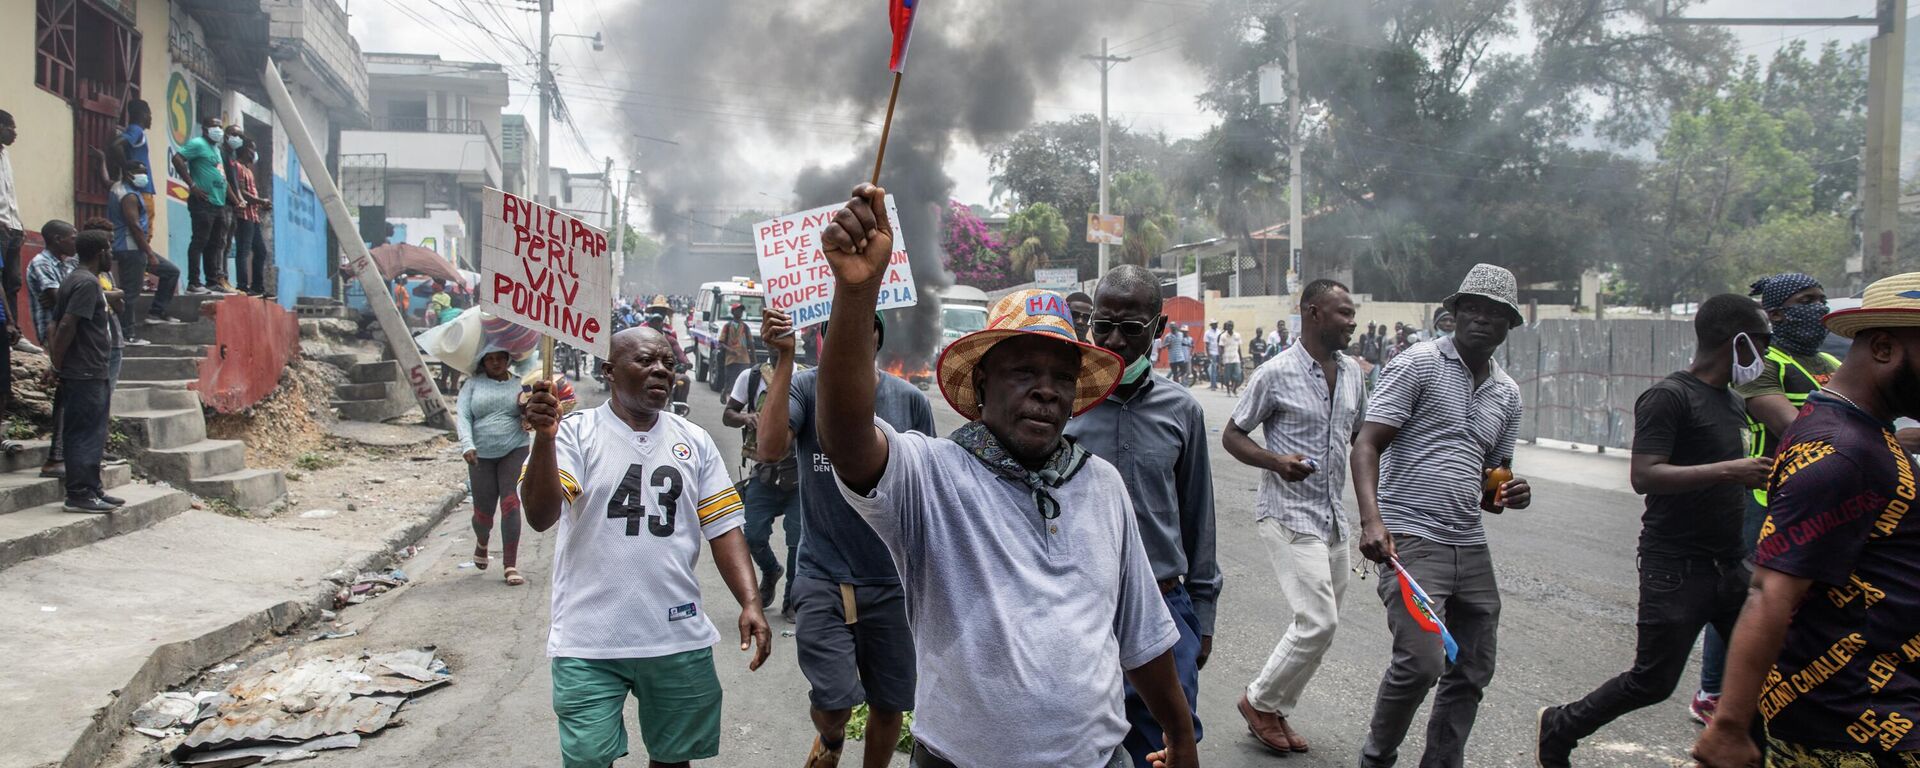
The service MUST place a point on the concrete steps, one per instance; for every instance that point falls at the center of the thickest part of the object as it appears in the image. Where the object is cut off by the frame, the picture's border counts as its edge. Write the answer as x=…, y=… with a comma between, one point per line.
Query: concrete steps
x=162, y=350
x=373, y=393
x=159, y=368
x=47, y=529
x=198, y=333
x=247, y=488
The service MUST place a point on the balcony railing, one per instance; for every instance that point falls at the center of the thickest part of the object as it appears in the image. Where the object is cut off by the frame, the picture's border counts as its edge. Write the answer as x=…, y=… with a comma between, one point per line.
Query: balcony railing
x=445, y=125
x=430, y=125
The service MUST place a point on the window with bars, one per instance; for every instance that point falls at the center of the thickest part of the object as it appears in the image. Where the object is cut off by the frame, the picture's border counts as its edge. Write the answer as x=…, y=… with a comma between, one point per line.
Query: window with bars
x=55, y=62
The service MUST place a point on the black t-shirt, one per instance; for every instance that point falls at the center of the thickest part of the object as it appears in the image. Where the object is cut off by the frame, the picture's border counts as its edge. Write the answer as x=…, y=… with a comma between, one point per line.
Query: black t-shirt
x=81, y=296
x=1691, y=424
x=1840, y=513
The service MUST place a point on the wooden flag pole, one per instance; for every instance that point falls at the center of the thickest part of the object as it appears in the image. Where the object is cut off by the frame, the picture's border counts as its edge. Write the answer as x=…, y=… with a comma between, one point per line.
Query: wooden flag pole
x=886, y=128
x=546, y=359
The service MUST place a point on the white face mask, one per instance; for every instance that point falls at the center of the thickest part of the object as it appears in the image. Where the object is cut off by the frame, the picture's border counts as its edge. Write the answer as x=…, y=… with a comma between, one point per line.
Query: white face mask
x=1745, y=374
x=235, y=142
x=216, y=134
x=141, y=179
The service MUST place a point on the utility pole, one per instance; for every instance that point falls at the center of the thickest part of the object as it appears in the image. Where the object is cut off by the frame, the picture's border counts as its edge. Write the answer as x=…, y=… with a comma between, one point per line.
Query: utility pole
x=1296, y=239
x=1106, y=63
x=1880, y=163
x=545, y=76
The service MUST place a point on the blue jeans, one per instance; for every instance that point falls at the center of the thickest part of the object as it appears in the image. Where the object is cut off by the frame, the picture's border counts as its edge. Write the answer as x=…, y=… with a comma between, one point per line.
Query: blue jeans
x=764, y=503
x=1146, y=735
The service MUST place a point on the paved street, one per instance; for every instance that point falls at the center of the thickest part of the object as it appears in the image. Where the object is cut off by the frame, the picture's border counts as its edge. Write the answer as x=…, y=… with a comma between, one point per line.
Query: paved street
x=1566, y=569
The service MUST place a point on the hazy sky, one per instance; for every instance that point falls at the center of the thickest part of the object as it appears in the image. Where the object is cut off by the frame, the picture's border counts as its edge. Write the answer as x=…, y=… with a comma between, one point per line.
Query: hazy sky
x=1153, y=92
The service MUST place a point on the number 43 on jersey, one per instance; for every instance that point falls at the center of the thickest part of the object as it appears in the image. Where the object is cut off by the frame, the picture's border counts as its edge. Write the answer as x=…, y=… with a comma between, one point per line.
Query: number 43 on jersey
x=663, y=487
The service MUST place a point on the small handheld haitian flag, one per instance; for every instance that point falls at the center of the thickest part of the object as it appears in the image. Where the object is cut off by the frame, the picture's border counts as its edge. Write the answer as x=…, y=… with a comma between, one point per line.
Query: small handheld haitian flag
x=1421, y=607
x=900, y=15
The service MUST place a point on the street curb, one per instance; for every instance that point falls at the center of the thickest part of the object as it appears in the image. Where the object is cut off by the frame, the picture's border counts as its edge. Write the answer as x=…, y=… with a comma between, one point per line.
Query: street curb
x=176, y=662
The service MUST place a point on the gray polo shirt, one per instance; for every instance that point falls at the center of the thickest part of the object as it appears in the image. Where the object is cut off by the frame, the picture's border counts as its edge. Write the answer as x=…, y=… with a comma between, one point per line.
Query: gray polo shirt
x=1450, y=430
x=1024, y=626
x=1160, y=428
x=1290, y=398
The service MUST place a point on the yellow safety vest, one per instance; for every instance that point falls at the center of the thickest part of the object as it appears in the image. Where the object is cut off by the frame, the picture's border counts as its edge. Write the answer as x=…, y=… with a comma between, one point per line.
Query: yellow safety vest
x=1759, y=429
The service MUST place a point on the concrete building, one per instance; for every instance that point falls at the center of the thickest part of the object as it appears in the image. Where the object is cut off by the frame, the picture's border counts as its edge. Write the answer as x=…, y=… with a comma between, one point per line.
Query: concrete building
x=69, y=75
x=583, y=196
x=435, y=136
x=519, y=154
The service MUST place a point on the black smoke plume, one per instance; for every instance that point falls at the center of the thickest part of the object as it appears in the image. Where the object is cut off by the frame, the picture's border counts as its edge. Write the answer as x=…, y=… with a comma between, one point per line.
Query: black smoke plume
x=717, y=77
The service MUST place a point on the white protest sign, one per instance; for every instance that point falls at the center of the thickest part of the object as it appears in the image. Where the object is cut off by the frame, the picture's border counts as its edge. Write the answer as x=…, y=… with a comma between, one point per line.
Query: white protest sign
x=796, y=274
x=545, y=270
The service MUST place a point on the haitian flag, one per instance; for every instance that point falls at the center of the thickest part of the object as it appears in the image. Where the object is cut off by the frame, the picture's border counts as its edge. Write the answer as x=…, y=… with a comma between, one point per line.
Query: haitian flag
x=900, y=15
x=1421, y=608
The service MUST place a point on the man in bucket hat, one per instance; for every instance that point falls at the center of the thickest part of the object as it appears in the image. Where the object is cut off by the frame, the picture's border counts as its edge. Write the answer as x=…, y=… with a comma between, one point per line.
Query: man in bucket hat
x=1031, y=593
x=1825, y=644
x=1442, y=416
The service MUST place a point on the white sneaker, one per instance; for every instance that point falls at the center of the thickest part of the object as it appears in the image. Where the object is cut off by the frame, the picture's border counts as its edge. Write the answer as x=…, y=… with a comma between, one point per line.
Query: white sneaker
x=27, y=346
x=138, y=342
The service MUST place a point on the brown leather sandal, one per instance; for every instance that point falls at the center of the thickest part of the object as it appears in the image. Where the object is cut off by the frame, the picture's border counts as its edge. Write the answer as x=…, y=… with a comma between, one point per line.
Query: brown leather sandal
x=514, y=578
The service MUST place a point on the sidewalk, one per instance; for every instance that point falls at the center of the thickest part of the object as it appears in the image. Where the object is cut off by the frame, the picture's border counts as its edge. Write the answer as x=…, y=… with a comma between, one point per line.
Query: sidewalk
x=1559, y=462
x=98, y=630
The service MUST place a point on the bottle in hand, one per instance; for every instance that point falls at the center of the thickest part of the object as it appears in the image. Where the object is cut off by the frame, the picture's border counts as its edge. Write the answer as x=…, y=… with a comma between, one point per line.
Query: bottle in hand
x=1491, y=499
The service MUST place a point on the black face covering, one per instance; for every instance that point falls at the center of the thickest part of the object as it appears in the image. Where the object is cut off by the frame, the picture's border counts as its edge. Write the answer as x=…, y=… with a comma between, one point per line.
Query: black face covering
x=1801, y=328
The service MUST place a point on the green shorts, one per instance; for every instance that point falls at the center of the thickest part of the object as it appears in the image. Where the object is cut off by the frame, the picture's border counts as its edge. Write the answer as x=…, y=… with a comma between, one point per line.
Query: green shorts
x=679, y=698
x=1786, y=754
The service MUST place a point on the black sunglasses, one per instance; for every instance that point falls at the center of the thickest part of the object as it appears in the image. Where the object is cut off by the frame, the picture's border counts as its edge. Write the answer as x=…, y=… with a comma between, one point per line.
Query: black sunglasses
x=1127, y=327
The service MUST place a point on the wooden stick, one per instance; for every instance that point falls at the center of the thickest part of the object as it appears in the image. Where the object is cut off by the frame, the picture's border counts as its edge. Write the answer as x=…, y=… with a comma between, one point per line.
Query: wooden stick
x=886, y=128
x=546, y=359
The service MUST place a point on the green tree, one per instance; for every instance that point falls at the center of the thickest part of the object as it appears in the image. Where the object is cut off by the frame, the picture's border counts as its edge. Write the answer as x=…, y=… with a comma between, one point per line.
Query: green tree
x=1448, y=119
x=1148, y=207
x=1823, y=103
x=1058, y=163
x=1723, y=168
x=1036, y=237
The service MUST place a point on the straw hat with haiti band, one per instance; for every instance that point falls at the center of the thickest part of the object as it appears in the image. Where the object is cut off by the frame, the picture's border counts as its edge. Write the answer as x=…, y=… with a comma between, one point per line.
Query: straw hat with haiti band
x=1890, y=303
x=1038, y=312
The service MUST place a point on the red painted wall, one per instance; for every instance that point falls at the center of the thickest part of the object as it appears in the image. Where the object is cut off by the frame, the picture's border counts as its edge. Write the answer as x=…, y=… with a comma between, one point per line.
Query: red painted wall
x=253, y=342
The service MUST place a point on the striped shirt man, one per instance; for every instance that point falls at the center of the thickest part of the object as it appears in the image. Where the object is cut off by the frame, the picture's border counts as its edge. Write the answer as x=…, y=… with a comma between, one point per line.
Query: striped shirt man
x=1450, y=431
x=1290, y=398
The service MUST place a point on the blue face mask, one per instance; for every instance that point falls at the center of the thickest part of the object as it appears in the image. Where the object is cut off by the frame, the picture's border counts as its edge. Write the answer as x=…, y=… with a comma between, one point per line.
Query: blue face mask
x=1137, y=369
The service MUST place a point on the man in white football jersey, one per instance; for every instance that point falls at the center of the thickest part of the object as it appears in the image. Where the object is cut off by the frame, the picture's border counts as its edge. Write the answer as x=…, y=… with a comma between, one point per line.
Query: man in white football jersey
x=634, y=489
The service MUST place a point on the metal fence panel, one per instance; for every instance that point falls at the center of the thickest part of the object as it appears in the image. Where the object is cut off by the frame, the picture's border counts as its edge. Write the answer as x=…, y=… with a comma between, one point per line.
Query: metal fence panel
x=1579, y=379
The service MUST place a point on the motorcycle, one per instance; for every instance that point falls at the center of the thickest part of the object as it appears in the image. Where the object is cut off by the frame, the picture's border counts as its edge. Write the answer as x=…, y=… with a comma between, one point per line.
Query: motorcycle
x=682, y=384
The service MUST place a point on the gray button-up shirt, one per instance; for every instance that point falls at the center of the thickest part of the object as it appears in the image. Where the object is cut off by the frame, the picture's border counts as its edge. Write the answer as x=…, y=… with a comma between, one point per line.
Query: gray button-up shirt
x=1160, y=428
x=1290, y=397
